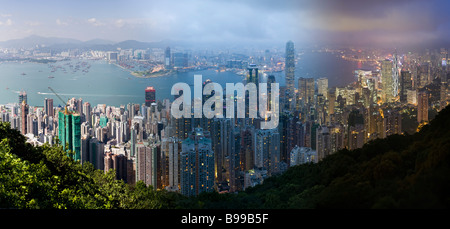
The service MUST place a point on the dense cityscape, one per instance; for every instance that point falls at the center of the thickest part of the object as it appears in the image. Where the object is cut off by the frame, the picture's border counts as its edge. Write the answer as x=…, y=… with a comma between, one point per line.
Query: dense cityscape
x=397, y=93
x=224, y=113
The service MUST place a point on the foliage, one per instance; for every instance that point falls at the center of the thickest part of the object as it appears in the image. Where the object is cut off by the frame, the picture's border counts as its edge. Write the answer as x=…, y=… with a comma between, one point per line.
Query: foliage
x=45, y=177
x=400, y=171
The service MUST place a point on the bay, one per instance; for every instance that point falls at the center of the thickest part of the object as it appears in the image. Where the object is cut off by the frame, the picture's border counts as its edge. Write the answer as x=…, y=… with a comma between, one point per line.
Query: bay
x=98, y=82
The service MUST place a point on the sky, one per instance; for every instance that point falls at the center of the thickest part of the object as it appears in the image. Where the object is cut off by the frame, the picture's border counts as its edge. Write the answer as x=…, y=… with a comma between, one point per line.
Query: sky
x=348, y=22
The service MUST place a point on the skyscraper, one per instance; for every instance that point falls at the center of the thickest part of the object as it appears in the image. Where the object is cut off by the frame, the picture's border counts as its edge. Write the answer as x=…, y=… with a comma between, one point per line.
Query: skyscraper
x=323, y=142
x=23, y=117
x=387, y=81
x=197, y=164
x=267, y=150
x=48, y=107
x=69, y=125
x=87, y=112
x=422, y=107
x=322, y=87
x=22, y=97
x=170, y=163
x=405, y=85
x=306, y=90
x=150, y=95
x=392, y=122
x=167, y=58
x=395, y=77
x=252, y=75
x=290, y=68
x=147, y=164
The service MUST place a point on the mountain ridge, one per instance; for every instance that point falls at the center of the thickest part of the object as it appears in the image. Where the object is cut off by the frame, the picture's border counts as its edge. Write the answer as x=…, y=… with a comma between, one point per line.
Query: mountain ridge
x=34, y=41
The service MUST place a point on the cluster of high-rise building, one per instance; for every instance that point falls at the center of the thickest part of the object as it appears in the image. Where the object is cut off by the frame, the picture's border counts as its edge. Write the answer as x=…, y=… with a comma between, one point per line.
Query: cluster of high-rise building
x=144, y=142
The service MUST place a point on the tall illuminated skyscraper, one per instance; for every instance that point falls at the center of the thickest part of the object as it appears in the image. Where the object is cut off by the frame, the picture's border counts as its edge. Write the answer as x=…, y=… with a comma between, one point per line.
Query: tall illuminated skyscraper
x=395, y=76
x=290, y=68
x=306, y=90
x=387, y=81
x=405, y=85
x=422, y=107
x=197, y=164
x=322, y=87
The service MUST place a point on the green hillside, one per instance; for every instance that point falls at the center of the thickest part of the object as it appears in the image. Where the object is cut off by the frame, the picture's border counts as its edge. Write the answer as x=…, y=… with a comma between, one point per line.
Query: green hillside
x=44, y=177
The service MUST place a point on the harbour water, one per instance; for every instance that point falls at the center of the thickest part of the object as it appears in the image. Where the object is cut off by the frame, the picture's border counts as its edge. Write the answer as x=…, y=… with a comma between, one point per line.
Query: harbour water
x=98, y=82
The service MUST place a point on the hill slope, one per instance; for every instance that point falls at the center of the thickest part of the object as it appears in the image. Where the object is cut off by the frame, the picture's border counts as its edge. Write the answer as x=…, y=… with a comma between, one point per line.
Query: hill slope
x=45, y=177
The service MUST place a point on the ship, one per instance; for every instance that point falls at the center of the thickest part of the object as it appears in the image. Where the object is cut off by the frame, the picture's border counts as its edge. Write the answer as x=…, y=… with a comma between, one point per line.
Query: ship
x=51, y=77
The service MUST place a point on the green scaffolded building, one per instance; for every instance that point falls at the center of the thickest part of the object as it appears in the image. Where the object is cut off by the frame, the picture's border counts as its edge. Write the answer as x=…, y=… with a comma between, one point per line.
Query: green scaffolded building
x=69, y=125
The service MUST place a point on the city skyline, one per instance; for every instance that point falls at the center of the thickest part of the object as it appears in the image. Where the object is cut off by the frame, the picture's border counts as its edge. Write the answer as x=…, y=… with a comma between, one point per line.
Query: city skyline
x=345, y=22
x=224, y=98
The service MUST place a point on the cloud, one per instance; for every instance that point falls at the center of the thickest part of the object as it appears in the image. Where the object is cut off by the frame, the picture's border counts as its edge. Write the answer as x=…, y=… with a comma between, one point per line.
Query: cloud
x=5, y=15
x=8, y=22
x=119, y=23
x=94, y=22
x=61, y=23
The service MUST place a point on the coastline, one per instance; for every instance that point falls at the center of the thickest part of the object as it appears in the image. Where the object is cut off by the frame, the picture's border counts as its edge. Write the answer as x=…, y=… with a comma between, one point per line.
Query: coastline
x=146, y=74
x=151, y=75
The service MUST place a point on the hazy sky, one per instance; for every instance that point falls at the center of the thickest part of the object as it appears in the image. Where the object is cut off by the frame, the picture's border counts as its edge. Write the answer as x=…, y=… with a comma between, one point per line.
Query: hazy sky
x=330, y=21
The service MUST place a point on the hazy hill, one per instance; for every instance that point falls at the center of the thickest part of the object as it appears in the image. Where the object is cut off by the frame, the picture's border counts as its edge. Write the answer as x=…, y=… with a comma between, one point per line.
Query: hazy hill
x=55, y=43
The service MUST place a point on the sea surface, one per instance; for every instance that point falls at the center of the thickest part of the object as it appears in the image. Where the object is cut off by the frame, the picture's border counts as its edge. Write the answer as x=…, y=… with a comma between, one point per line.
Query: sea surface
x=98, y=82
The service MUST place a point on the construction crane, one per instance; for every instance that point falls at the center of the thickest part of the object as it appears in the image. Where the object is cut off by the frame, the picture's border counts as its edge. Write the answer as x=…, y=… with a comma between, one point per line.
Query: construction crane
x=65, y=104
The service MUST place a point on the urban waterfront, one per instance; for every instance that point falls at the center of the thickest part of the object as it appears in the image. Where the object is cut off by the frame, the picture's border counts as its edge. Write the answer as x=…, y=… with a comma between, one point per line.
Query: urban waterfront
x=106, y=83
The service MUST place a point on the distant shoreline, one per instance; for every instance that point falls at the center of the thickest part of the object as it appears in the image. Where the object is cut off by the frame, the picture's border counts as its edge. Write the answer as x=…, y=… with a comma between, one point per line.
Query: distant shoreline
x=32, y=60
x=146, y=74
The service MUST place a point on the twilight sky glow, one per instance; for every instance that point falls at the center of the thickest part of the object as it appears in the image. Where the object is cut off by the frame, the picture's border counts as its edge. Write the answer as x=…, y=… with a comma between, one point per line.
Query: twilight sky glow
x=379, y=22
